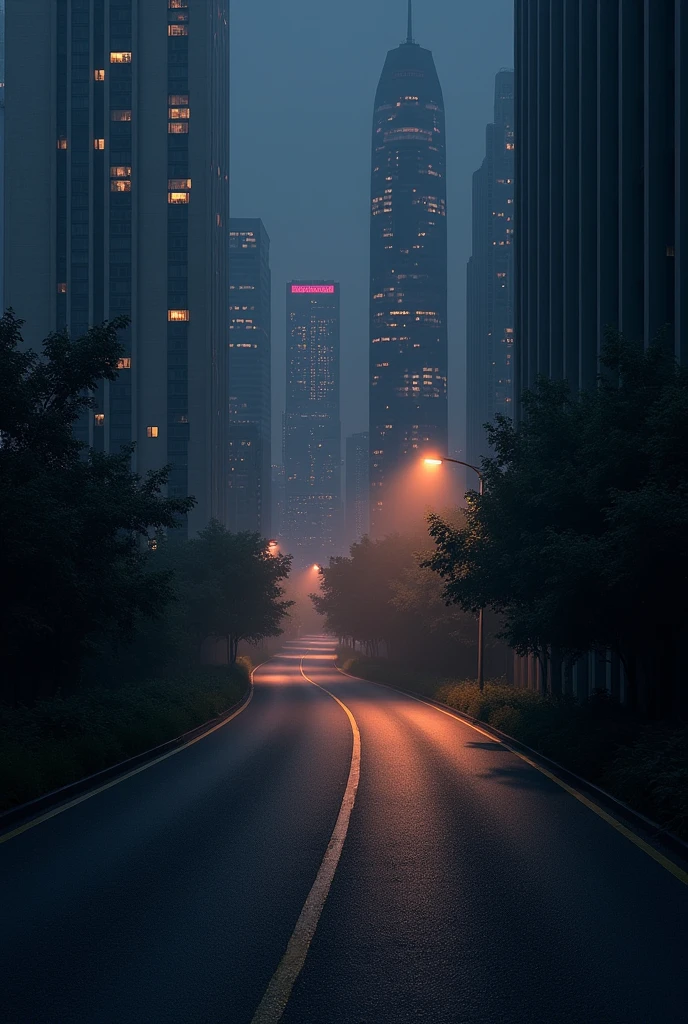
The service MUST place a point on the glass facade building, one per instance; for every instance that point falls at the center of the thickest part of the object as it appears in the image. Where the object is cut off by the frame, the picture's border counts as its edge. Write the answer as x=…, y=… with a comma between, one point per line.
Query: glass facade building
x=490, y=315
x=357, y=493
x=408, y=271
x=119, y=186
x=312, y=432
x=249, y=370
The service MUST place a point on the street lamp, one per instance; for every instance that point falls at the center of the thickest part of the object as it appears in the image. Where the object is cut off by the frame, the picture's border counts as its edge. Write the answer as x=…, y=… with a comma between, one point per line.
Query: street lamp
x=481, y=616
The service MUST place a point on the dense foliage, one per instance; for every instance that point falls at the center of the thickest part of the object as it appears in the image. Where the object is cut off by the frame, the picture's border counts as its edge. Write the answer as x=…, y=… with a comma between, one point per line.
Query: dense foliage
x=580, y=541
x=86, y=597
x=382, y=598
x=73, y=559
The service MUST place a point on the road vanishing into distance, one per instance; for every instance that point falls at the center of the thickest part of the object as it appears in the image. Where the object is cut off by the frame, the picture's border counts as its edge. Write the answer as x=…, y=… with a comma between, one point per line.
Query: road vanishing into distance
x=450, y=881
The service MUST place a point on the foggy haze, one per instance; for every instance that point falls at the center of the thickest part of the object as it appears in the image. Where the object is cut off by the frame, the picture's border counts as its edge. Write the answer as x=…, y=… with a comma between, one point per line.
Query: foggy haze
x=304, y=76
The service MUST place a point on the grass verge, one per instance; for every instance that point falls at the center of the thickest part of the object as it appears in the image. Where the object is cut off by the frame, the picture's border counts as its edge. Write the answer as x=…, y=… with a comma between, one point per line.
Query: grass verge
x=63, y=740
x=644, y=765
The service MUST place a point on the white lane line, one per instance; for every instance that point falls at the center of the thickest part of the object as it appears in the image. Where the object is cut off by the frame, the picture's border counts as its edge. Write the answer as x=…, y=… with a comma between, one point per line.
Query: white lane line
x=274, y=1002
x=129, y=775
x=665, y=862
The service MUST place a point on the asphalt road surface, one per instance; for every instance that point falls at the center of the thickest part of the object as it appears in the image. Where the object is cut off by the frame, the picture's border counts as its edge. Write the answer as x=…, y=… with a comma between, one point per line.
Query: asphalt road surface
x=471, y=888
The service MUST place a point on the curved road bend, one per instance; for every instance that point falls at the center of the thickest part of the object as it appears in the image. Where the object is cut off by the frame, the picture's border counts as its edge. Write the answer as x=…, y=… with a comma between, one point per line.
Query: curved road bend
x=471, y=888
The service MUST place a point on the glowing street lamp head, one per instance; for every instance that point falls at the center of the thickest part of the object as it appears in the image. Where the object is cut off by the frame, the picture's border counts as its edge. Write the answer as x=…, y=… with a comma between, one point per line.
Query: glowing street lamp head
x=316, y=567
x=433, y=462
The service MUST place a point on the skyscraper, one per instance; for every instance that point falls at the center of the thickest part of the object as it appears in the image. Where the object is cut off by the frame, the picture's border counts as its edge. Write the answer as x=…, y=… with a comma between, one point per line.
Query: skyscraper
x=312, y=444
x=408, y=268
x=490, y=318
x=249, y=378
x=357, y=486
x=601, y=172
x=117, y=202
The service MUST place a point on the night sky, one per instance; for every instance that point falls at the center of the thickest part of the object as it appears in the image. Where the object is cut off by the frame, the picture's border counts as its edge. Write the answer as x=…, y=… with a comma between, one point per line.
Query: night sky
x=304, y=74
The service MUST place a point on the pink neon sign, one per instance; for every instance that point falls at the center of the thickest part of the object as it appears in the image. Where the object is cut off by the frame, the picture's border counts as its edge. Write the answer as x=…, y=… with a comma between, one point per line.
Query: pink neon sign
x=312, y=289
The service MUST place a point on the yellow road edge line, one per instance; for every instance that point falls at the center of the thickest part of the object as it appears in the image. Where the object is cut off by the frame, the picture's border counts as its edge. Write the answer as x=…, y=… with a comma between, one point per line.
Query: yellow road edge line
x=665, y=862
x=278, y=992
x=129, y=775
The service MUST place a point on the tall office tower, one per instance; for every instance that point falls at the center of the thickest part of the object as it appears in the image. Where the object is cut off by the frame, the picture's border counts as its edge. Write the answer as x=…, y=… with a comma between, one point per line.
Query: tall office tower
x=601, y=173
x=2, y=151
x=490, y=319
x=312, y=442
x=278, y=500
x=408, y=271
x=117, y=202
x=357, y=486
x=249, y=378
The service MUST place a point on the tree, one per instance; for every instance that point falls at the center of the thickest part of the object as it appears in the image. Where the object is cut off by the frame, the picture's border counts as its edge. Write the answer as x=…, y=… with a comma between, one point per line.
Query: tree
x=228, y=586
x=580, y=539
x=73, y=522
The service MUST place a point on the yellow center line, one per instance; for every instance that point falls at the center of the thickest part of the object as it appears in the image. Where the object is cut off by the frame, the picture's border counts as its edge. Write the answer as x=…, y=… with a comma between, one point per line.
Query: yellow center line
x=274, y=1002
x=129, y=775
x=665, y=862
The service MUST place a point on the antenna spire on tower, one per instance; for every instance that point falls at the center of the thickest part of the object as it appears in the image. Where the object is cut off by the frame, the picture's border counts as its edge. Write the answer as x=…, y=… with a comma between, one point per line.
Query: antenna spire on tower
x=409, y=38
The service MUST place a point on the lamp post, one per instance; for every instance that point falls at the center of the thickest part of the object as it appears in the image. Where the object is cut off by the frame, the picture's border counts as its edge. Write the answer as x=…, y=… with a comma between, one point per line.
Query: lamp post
x=481, y=615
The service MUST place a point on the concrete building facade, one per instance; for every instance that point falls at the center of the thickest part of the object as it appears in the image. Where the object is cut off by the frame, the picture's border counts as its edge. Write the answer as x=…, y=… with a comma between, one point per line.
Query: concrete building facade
x=117, y=203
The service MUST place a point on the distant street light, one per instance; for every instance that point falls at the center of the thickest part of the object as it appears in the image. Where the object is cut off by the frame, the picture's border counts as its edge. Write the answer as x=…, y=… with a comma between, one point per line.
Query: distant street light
x=481, y=616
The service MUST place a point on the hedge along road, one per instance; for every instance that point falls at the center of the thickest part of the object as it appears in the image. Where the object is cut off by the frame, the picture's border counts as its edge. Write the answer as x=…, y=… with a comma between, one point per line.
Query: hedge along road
x=254, y=877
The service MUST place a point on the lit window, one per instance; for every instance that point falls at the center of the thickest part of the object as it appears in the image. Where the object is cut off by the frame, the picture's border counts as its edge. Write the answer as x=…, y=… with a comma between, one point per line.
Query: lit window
x=124, y=363
x=177, y=30
x=120, y=115
x=152, y=431
x=100, y=419
x=120, y=185
x=177, y=183
x=120, y=57
x=62, y=143
x=123, y=171
x=99, y=75
x=62, y=288
x=179, y=113
x=178, y=128
x=177, y=5
x=152, y=544
x=178, y=197
x=174, y=100
x=99, y=143
x=177, y=314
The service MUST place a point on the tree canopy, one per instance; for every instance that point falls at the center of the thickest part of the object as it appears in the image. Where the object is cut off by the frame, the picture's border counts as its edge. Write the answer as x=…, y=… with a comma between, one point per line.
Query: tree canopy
x=580, y=540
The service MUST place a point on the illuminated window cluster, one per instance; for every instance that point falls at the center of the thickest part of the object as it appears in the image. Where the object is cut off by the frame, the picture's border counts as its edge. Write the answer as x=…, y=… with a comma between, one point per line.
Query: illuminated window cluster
x=120, y=57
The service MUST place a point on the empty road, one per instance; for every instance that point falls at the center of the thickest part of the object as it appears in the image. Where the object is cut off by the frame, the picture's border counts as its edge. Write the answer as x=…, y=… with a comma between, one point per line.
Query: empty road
x=450, y=881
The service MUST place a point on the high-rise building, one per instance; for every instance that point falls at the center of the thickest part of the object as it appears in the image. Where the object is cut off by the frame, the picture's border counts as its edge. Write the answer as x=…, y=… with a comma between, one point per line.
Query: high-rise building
x=357, y=486
x=601, y=172
x=408, y=270
x=601, y=208
x=249, y=378
x=312, y=442
x=490, y=317
x=117, y=202
x=2, y=152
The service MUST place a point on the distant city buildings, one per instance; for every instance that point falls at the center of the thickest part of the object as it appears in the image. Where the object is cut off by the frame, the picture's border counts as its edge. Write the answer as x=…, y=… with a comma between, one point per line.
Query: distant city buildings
x=408, y=267
x=490, y=316
x=601, y=172
x=117, y=203
x=357, y=492
x=312, y=440
x=250, y=419
x=278, y=500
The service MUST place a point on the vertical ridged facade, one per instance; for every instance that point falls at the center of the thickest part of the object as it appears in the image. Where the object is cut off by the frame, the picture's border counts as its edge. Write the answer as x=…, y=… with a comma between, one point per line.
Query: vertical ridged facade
x=490, y=285
x=408, y=268
x=601, y=179
x=117, y=165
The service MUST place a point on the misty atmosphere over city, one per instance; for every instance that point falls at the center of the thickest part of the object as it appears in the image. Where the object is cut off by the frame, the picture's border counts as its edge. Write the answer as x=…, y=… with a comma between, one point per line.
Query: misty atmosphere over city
x=343, y=512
